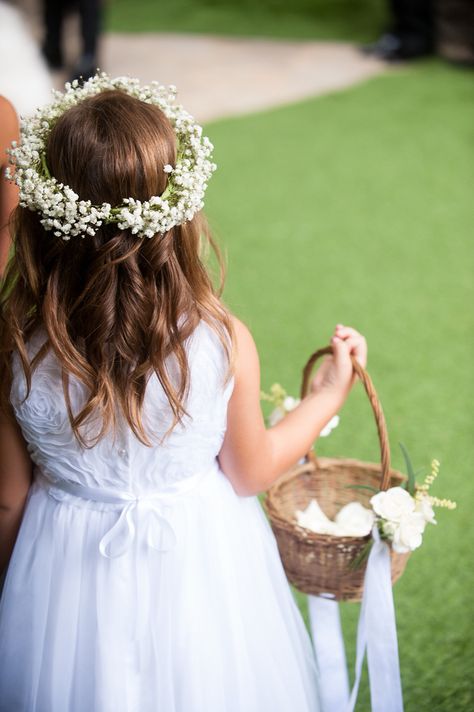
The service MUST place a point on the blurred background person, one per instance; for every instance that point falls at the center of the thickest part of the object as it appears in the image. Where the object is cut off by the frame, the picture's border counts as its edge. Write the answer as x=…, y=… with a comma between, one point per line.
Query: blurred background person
x=422, y=27
x=410, y=32
x=90, y=13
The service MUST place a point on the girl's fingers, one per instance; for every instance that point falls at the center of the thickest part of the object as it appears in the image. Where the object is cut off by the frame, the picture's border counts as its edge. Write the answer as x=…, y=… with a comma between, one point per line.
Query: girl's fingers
x=358, y=348
x=355, y=344
x=340, y=350
x=344, y=331
x=353, y=340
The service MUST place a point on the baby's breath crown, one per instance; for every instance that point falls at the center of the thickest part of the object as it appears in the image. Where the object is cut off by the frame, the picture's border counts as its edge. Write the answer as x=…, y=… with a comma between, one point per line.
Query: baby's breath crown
x=60, y=206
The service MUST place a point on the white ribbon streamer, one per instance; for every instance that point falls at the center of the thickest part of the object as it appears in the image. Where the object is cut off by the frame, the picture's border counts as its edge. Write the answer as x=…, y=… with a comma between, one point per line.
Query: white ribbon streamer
x=328, y=645
x=376, y=632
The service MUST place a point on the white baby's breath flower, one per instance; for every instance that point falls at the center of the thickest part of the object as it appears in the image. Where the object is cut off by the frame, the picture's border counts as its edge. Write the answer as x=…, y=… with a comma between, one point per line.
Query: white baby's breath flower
x=61, y=209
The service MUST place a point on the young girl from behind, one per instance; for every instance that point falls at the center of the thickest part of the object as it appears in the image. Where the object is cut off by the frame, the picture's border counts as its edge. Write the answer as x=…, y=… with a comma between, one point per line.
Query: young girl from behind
x=141, y=571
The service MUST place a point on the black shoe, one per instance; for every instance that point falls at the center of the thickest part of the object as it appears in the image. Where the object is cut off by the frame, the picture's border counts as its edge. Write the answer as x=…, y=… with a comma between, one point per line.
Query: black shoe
x=395, y=48
x=53, y=56
x=84, y=69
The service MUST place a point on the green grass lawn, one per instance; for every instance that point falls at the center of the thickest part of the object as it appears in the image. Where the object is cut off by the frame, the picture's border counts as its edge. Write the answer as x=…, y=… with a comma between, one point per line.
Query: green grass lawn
x=357, y=20
x=357, y=207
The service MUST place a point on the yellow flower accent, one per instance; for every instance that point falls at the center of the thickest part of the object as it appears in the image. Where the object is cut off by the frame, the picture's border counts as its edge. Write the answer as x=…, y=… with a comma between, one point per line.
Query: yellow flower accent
x=422, y=490
x=276, y=396
x=446, y=503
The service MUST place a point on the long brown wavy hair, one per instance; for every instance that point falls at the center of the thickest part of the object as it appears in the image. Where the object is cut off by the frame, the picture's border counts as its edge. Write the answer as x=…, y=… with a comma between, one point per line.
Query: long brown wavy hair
x=114, y=307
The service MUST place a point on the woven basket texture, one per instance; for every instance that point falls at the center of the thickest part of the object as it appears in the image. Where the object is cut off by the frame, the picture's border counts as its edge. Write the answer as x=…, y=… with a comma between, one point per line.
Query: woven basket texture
x=321, y=564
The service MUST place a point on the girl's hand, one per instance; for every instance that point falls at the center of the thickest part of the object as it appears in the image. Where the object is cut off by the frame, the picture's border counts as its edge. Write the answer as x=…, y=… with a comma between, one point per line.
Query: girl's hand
x=336, y=373
x=252, y=456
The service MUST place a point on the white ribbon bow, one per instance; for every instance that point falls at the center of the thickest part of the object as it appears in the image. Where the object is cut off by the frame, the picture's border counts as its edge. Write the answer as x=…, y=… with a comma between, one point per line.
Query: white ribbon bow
x=159, y=533
x=120, y=536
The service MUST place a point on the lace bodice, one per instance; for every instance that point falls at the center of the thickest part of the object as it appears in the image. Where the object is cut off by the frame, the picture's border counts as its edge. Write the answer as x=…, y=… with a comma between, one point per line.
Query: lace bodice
x=120, y=460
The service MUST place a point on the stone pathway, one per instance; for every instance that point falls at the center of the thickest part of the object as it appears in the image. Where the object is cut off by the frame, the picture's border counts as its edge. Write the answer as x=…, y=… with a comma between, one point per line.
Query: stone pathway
x=223, y=76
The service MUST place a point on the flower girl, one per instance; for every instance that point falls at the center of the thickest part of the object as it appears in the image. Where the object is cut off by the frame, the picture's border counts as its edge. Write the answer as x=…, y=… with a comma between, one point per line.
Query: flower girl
x=141, y=571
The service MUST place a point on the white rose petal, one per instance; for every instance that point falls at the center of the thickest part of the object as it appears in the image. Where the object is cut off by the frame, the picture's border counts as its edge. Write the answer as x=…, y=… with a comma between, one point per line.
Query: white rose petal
x=352, y=520
x=333, y=423
x=314, y=519
x=408, y=533
x=393, y=503
x=355, y=520
x=290, y=403
x=424, y=507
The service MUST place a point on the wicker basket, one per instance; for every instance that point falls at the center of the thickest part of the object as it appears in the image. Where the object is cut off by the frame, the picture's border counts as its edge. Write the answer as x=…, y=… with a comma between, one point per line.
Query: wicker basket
x=320, y=564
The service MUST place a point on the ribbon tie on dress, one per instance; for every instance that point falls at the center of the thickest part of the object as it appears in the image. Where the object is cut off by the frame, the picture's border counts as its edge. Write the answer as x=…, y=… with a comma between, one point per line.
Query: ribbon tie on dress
x=159, y=533
x=119, y=537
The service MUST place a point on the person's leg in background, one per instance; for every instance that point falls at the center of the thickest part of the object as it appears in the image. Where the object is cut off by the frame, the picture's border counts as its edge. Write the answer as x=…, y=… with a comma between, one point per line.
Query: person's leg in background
x=410, y=33
x=90, y=12
x=53, y=17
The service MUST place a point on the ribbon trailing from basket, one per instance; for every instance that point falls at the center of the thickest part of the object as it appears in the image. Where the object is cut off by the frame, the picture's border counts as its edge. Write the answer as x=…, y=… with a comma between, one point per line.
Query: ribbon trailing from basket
x=376, y=633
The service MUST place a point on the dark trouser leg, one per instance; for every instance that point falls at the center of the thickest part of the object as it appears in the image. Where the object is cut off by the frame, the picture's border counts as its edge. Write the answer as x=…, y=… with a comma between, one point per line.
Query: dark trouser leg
x=411, y=31
x=91, y=25
x=53, y=15
x=413, y=21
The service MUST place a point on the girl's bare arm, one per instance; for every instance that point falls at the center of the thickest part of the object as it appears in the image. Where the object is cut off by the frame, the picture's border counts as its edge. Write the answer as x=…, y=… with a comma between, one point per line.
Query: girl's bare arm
x=253, y=457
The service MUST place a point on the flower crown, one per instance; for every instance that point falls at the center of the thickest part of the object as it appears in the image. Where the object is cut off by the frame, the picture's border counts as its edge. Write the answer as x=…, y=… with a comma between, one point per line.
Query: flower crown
x=60, y=206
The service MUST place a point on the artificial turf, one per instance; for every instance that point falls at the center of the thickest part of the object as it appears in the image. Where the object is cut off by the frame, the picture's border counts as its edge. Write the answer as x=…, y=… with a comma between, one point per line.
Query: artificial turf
x=356, y=20
x=357, y=208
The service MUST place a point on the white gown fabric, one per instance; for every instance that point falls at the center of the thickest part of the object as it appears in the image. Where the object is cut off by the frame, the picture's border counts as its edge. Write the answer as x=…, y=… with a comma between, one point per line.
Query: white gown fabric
x=140, y=581
x=25, y=79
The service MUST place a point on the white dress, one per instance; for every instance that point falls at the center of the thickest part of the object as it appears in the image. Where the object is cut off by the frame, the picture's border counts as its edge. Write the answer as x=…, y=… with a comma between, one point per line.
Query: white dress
x=141, y=582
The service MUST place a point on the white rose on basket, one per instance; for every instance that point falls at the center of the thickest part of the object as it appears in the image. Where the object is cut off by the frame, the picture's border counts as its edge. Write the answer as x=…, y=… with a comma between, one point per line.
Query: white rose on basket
x=407, y=536
x=403, y=514
x=424, y=506
x=393, y=504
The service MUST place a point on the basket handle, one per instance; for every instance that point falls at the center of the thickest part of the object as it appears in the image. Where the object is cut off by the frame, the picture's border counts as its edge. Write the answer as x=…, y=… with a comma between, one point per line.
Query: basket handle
x=374, y=402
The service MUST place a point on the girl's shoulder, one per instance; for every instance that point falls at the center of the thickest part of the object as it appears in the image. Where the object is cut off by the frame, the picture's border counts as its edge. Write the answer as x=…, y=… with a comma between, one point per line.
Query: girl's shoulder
x=210, y=346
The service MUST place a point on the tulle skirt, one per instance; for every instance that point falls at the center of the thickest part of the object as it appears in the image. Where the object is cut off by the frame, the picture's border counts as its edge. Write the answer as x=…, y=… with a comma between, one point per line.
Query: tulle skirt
x=209, y=625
